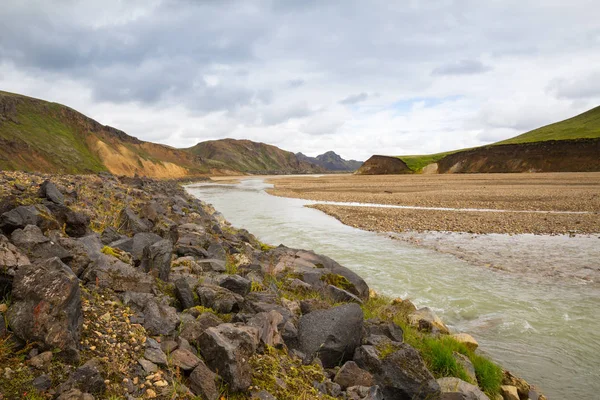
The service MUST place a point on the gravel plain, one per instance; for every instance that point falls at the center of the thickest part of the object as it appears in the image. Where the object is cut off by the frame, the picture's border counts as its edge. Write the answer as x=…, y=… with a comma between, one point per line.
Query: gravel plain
x=551, y=192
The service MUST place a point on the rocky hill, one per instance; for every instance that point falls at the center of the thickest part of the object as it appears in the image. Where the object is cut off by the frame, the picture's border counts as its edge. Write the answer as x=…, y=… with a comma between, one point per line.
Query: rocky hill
x=129, y=288
x=331, y=162
x=252, y=157
x=571, y=145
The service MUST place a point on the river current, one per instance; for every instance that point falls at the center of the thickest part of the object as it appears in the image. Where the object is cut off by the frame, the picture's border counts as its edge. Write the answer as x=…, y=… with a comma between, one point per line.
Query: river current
x=545, y=330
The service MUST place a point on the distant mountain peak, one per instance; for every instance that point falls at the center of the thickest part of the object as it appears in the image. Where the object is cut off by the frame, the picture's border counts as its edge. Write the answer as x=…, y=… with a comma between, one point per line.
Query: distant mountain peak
x=331, y=161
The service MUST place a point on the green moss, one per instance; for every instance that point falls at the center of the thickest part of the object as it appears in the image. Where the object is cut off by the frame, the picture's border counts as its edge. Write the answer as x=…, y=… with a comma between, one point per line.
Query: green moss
x=489, y=375
x=338, y=281
x=266, y=247
x=117, y=253
x=257, y=287
x=385, y=349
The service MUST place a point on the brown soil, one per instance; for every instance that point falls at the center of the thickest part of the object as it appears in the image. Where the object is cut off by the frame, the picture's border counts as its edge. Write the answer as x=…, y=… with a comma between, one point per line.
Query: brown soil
x=383, y=165
x=517, y=192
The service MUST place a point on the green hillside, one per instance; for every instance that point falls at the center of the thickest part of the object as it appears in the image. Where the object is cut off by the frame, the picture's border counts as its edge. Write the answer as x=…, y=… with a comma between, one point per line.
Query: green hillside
x=582, y=126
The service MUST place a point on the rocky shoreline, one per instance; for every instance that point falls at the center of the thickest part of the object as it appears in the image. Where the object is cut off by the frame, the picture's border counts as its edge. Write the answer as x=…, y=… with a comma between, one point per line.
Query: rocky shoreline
x=128, y=288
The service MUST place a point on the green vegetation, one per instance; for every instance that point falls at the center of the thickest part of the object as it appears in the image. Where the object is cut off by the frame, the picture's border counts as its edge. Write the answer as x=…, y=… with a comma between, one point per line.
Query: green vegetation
x=437, y=352
x=117, y=253
x=417, y=162
x=586, y=125
x=338, y=281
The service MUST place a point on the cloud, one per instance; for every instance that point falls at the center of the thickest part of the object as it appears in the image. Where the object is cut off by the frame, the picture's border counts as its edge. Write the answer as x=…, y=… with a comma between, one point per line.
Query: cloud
x=354, y=99
x=288, y=73
x=463, y=67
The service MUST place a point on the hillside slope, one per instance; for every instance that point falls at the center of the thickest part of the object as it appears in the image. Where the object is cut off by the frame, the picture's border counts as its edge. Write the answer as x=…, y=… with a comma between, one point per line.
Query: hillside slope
x=569, y=145
x=37, y=135
x=331, y=161
x=251, y=157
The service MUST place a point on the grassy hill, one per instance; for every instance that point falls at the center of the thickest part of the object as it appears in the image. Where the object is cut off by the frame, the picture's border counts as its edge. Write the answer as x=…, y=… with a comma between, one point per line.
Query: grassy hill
x=582, y=126
x=37, y=135
x=251, y=157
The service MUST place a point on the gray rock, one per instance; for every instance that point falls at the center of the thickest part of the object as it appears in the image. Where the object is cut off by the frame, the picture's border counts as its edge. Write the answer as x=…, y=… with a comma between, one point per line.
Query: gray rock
x=109, y=272
x=212, y=264
x=267, y=323
x=20, y=217
x=75, y=394
x=216, y=250
x=125, y=244
x=364, y=393
x=227, y=349
x=76, y=224
x=32, y=242
x=154, y=353
x=331, y=335
x=466, y=364
x=42, y=383
x=86, y=377
x=160, y=318
x=352, y=375
x=51, y=192
x=46, y=306
x=184, y=359
x=456, y=389
x=384, y=328
x=192, y=239
x=140, y=241
x=156, y=259
x=184, y=293
x=236, y=284
x=131, y=222
x=110, y=235
x=340, y=295
x=262, y=395
x=41, y=361
x=10, y=256
x=202, y=382
x=148, y=366
x=401, y=374
x=219, y=299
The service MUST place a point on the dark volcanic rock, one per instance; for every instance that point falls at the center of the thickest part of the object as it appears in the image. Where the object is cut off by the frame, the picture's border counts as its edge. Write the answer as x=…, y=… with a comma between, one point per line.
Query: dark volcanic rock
x=202, y=382
x=51, y=192
x=76, y=224
x=267, y=323
x=159, y=318
x=184, y=293
x=37, y=246
x=401, y=374
x=157, y=259
x=332, y=335
x=141, y=241
x=47, y=306
x=219, y=299
x=236, y=284
x=184, y=359
x=227, y=349
x=20, y=217
x=352, y=375
x=131, y=222
x=86, y=377
x=110, y=272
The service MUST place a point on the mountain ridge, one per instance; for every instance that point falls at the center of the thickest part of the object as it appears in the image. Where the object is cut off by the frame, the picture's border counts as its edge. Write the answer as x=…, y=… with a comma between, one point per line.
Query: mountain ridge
x=332, y=161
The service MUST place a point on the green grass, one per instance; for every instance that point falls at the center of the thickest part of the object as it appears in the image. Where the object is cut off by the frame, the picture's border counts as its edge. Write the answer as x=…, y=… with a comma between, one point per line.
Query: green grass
x=586, y=125
x=417, y=162
x=437, y=352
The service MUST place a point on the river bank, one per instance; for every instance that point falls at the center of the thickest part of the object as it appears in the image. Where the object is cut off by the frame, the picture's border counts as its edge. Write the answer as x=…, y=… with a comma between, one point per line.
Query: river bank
x=115, y=287
x=561, y=203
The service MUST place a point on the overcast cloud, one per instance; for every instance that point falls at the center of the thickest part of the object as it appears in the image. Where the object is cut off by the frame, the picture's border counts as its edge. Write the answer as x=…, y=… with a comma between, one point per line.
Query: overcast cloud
x=356, y=77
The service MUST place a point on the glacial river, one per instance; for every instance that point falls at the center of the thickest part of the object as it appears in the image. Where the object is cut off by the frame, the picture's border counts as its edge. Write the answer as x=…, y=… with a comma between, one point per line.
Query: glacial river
x=545, y=330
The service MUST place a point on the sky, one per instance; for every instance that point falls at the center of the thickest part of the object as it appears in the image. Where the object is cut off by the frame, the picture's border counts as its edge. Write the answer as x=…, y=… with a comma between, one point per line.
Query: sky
x=357, y=77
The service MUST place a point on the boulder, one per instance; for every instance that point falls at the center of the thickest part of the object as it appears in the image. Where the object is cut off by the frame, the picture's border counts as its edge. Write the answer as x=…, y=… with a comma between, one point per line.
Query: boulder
x=76, y=224
x=467, y=340
x=80, y=254
x=109, y=272
x=156, y=259
x=267, y=323
x=20, y=217
x=219, y=299
x=184, y=293
x=227, y=349
x=377, y=327
x=457, y=389
x=467, y=365
x=10, y=257
x=148, y=366
x=351, y=374
x=364, y=393
x=184, y=359
x=340, y=295
x=192, y=239
x=110, y=235
x=130, y=222
x=202, y=382
x=42, y=383
x=49, y=191
x=87, y=377
x=236, y=284
x=522, y=386
x=212, y=264
x=46, y=306
x=140, y=241
x=425, y=317
x=160, y=318
x=400, y=374
x=154, y=353
x=509, y=392
x=32, y=242
x=331, y=335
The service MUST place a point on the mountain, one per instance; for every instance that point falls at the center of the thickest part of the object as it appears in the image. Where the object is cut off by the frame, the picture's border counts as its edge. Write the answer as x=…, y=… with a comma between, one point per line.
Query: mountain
x=331, y=162
x=252, y=157
x=36, y=135
x=572, y=145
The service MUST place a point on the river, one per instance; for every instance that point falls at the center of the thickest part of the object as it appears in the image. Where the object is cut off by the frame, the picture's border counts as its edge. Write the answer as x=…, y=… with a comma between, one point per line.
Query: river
x=545, y=330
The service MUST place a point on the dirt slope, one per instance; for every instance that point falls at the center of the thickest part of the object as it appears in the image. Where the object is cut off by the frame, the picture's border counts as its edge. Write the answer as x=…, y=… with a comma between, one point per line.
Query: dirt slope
x=383, y=165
